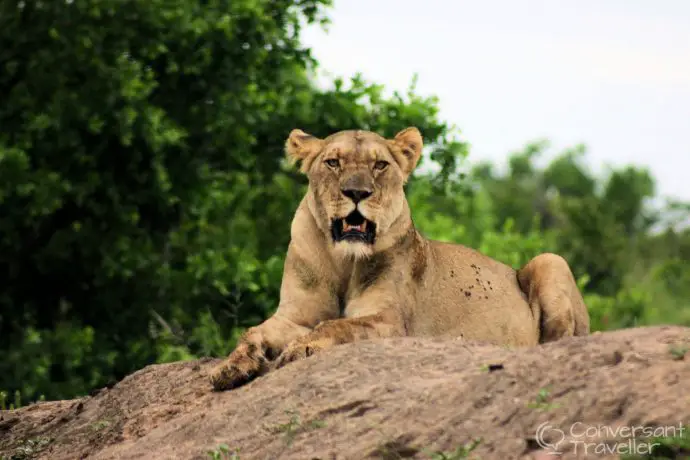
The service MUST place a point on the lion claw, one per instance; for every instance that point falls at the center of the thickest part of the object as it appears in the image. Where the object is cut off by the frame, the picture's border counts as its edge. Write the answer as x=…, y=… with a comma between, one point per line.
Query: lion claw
x=235, y=372
x=295, y=353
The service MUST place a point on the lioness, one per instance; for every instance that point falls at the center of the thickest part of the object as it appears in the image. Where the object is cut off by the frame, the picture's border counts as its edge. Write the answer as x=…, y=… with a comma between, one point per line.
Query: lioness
x=357, y=268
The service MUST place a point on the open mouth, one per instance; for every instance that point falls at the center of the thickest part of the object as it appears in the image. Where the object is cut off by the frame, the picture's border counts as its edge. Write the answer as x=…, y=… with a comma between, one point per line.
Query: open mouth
x=354, y=228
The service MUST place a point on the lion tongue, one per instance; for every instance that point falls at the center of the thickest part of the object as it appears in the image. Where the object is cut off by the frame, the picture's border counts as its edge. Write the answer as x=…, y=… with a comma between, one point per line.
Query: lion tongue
x=358, y=228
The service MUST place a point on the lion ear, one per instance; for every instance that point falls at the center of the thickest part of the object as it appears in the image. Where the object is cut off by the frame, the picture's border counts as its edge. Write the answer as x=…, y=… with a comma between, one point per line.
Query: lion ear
x=407, y=149
x=301, y=146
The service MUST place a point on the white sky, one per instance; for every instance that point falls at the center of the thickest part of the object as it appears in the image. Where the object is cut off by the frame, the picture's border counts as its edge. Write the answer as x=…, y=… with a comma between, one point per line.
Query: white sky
x=612, y=74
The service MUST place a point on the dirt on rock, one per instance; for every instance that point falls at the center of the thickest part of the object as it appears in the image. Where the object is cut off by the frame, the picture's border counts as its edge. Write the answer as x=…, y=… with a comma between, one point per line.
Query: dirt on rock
x=414, y=398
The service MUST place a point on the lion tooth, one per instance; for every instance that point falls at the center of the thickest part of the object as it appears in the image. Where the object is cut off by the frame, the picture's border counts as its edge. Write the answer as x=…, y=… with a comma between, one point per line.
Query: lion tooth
x=358, y=228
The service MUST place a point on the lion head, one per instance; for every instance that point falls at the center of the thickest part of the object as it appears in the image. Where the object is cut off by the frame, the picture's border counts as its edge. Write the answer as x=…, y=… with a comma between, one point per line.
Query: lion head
x=356, y=183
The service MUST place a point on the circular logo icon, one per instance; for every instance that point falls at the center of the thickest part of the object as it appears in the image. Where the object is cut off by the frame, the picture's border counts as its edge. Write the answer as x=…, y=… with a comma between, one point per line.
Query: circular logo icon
x=549, y=438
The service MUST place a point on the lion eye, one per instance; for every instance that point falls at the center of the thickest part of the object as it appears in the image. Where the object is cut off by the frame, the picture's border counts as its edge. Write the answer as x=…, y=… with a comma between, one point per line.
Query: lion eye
x=381, y=165
x=333, y=163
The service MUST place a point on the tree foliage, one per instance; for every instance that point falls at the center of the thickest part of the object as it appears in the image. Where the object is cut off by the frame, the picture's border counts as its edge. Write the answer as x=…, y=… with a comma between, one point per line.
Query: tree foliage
x=146, y=205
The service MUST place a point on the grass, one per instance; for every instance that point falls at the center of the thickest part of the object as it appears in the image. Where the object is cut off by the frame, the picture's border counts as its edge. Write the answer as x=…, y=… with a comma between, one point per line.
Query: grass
x=16, y=402
x=223, y=452
x=402, y=447
x=678, y=351
x=541, y=402
x=461, y=452
x=99, y=425
x=295, y=426
x=29, y=448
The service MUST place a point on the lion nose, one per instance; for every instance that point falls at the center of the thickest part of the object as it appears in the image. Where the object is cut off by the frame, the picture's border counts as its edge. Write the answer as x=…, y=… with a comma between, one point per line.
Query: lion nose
x=356, y=195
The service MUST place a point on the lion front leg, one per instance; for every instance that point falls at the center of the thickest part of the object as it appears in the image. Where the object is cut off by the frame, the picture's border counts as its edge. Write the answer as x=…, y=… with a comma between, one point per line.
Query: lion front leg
x=339, y=331
x=255, y=349
x=554, y=296
x=305, y=301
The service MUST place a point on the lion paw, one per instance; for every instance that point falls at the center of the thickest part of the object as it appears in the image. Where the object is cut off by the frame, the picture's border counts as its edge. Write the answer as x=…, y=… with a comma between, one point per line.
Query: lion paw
x=296, y=352
x=237, y=370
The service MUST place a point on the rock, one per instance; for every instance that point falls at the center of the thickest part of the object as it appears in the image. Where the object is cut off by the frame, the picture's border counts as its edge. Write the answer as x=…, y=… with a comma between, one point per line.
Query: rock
x=393, y=398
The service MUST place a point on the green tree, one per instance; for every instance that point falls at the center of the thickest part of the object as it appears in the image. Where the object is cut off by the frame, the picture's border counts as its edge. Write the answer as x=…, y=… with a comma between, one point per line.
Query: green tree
x=630, y=256
x=145, y=202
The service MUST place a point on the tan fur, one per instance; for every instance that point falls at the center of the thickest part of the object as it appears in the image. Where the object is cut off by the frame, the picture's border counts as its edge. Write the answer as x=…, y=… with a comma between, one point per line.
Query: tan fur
x=403, y=284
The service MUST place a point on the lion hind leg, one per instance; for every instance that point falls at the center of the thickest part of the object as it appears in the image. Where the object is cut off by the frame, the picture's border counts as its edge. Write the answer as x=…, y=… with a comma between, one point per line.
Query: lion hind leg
x=551, y=289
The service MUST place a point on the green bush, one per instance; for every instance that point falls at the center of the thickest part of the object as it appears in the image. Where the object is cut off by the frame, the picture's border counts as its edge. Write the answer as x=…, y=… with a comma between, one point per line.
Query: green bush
x=146, y=203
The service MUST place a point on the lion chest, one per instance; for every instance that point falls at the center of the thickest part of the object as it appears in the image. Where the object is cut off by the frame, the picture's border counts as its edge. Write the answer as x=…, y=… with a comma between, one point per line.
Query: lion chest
x=371, y=285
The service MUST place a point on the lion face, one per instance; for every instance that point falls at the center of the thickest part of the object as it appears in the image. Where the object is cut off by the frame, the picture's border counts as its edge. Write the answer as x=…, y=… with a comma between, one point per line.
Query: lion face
x=356, y=183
